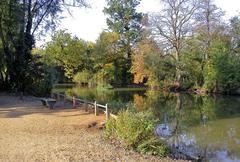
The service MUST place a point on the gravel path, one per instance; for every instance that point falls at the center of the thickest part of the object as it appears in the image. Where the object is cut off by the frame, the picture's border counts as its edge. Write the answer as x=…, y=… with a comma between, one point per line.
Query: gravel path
x=31, y=132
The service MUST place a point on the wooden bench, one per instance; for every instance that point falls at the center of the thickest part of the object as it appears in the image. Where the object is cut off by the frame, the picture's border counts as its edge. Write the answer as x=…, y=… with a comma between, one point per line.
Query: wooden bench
x=49, y=102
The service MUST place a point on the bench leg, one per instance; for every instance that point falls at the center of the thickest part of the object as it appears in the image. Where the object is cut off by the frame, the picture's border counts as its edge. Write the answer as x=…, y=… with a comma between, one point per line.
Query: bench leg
x=43, y=103
x=51, y=105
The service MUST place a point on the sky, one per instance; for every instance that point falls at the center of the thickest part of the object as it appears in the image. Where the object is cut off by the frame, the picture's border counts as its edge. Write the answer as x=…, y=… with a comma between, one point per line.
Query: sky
x=88, y=23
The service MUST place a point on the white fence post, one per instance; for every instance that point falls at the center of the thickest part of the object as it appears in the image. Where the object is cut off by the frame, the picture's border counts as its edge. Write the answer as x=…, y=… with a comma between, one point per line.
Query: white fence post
x=96, y=110
x=74, y=102
x=107, y=112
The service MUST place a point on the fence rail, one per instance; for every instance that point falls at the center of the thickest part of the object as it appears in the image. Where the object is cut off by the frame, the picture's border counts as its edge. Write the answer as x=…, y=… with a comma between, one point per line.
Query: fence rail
x=94, y=104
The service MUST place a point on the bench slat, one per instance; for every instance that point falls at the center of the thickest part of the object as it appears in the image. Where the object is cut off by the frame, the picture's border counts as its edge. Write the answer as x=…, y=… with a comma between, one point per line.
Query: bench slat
x=49, y=102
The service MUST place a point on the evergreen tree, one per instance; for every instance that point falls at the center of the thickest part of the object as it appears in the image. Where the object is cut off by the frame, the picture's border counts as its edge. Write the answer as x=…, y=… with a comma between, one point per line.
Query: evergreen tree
x=126, y=21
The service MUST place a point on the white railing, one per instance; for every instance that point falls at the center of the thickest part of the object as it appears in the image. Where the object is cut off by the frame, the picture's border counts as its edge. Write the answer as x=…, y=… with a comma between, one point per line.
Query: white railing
x=94, y=104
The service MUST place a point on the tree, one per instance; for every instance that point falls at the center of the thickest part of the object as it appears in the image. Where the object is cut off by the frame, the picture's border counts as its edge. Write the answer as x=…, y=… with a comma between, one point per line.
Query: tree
x=2, y=67
x=107, y=58
x=124, y=20
x=198, y=51
x=19, y=22
x=69, y=53
x=140, y=68
x=192, y=63
x=222, y=71
x=171, y=27
x=235, y=34
x=208, y=17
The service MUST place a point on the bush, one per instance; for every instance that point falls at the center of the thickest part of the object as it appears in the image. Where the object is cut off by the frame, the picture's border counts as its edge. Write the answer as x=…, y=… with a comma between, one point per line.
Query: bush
x=223, y=74
x=153, y=146
x=110, y=128
x=116, y=106
x=82, y=77
x=103, y=87
x=41, y=87
x=134, y=130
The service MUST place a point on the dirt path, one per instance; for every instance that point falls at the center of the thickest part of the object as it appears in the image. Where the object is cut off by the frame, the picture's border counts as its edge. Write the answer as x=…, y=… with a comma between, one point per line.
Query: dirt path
x=31, y=132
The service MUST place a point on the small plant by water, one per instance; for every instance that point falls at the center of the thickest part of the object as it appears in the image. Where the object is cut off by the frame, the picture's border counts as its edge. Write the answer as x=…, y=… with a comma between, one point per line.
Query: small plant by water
x=135, y=130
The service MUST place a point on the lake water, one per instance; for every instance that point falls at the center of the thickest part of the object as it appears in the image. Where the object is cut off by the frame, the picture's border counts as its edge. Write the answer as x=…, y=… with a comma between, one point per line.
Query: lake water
x=197, y=125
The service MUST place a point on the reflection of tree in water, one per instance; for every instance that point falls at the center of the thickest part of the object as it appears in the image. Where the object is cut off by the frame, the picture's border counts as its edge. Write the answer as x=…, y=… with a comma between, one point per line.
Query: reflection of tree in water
x=139, y=102
x=196, y=112
x=208, y=122
x=178, y=115
x=159, y=102
x=92, y=94
x=177, y=122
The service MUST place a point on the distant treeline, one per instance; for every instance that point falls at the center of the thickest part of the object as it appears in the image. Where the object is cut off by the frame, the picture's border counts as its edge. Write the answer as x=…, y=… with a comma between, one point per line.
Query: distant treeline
x=186, y=45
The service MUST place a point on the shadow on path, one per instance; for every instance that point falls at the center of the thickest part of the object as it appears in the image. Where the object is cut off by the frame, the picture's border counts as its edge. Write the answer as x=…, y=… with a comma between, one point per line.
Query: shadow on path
x=14, y=107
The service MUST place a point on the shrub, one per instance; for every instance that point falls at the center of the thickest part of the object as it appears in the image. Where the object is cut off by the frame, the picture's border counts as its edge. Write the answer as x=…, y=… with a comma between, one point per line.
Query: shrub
x=153, y=146
x=223, y=74
x=82, y=77
x=41, y=87
x=134, y=130
x=103, y=87
x=110, y=128
x=116, y=106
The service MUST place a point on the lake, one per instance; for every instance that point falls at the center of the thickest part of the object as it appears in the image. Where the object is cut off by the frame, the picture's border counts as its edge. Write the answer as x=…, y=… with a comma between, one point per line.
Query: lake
x=197, y=125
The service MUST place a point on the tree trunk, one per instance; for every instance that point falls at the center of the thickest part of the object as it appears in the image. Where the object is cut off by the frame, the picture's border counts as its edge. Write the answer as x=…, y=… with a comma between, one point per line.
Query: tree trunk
x=116, y=71
x=178, y=70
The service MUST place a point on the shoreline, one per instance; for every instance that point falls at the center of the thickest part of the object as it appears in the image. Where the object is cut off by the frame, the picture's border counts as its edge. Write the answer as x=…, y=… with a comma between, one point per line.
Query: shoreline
x=168, y=90
x=32, y=132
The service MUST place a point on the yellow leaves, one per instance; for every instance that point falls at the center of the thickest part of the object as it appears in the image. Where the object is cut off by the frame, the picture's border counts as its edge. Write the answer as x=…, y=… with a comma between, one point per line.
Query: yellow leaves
x=110, y=37
x=139, y=102
x=36, y=51
x=138, y=68
x=144, y=48
x=90, y=45
x=109, y=65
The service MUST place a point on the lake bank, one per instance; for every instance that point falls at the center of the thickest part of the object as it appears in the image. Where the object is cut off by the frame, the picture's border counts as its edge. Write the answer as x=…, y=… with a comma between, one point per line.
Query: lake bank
x=194, y=124
x=31, y=132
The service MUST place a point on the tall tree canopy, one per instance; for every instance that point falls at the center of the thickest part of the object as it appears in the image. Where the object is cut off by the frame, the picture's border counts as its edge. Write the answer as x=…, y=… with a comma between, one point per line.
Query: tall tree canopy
x=172, y=25
x=67, y=52
x=208, y=18
x=19, y=22
x=107, y=57
x=126, y=21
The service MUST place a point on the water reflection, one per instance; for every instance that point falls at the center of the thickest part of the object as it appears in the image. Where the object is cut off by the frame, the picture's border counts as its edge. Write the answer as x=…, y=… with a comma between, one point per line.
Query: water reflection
x=203, y=129
x=204, y=126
